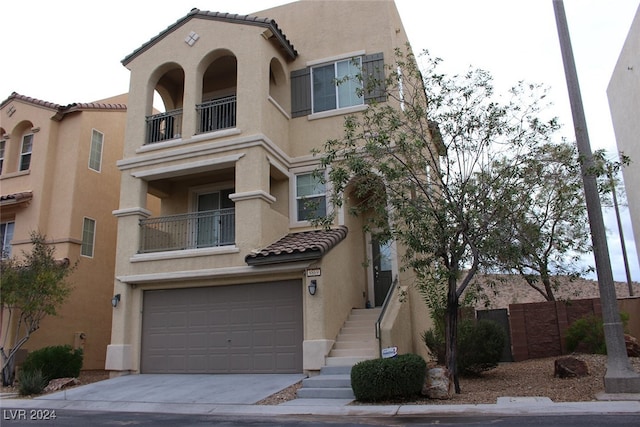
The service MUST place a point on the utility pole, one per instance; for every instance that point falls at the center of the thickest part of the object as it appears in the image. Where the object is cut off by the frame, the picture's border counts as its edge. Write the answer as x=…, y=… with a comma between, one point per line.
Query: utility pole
x=620, y=376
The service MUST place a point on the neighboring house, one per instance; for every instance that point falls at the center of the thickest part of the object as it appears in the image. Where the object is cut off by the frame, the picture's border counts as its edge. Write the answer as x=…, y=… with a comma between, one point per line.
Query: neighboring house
x=624, y=102
x=59, y=177
x=232, y=277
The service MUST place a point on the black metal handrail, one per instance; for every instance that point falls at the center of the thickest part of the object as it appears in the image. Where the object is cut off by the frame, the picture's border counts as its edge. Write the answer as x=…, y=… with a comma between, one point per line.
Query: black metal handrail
x=164, y=126
x=217, y=114
x=188, y=231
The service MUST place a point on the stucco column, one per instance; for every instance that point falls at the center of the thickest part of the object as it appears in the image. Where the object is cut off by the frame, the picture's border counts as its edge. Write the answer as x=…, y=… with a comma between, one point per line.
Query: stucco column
x=192, y=97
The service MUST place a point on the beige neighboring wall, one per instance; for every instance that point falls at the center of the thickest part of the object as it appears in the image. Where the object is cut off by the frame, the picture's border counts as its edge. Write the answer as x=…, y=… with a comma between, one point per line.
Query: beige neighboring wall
x=623, y=93
x=65, y=191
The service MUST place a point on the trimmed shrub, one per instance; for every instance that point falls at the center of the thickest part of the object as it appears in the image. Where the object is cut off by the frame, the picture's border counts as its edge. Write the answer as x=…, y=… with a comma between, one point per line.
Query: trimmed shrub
x=59, y=361
x=31, y=382
x=480, y=345
x=386, y=379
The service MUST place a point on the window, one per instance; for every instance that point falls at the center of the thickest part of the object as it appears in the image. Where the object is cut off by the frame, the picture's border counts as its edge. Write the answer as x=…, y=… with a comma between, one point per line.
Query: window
x=6, y=234
x=310, y=197
x=2, y=143
x=337, y=85
x=25, y=152
x=88, y=237
x=95, y=156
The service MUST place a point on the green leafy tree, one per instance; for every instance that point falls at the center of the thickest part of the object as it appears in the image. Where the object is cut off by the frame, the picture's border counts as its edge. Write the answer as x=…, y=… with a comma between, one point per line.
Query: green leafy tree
x=427, y=168
x=31, y=287
x=548, y=236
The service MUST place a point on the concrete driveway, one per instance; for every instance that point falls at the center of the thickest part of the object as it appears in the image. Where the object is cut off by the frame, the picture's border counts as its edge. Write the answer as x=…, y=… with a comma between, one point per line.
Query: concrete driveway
x=180, y=388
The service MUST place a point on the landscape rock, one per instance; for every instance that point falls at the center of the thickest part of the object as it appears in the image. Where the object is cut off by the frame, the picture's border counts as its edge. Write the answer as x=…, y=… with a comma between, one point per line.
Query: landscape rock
x=633, y=346
x=60, y=383
x=438, y=384
x=570, y=367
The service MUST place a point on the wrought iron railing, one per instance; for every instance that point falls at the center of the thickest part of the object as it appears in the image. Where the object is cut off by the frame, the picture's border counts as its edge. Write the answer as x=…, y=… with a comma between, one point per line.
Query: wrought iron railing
x=164, y=126
x=217, y=114
x=188, y=231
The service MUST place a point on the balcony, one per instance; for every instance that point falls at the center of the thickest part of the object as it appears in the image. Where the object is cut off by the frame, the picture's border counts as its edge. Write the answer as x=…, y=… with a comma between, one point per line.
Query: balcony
x=164, y=126
x=188, y=231
x=217, y=114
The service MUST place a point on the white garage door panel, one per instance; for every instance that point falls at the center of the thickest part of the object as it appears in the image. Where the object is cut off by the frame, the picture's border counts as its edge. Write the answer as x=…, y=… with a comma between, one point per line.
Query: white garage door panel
x=255, y=328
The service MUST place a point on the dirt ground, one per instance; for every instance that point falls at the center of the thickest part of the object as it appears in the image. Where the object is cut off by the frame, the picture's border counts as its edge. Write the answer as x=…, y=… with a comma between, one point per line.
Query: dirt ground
x=517, y=379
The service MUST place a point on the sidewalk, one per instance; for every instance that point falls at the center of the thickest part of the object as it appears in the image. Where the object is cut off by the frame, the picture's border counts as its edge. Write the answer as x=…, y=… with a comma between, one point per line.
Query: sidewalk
x=504, y=406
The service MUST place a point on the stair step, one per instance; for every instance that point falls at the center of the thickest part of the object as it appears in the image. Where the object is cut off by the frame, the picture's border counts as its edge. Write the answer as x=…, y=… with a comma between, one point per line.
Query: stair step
x=360, y=330
x=325, y=393
x=355, y=337
x=363, y=352
x=345, y=360
x=343, y=345
x=336, y=370
x=328, y=381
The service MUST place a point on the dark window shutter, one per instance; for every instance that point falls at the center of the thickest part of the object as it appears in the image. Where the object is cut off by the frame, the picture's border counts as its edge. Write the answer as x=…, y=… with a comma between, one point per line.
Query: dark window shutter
x=301, y=92
x=373, y=76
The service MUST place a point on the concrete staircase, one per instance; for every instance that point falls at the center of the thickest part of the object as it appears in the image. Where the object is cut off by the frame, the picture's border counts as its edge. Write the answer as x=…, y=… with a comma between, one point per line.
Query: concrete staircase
x=355, y=342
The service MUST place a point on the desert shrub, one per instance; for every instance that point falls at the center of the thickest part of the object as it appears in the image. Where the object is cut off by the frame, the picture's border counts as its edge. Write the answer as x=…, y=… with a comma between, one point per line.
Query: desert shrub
x=383, y=379
x=59, y=361
x=480, y=345
x=31, y=382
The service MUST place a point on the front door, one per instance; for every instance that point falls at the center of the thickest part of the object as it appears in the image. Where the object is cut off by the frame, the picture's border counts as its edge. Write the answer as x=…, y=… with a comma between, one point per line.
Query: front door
x=382, y=270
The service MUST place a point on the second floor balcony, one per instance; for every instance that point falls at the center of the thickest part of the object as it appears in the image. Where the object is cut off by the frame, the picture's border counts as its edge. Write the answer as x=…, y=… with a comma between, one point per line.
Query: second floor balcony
x=195, y=230
x=213, y=115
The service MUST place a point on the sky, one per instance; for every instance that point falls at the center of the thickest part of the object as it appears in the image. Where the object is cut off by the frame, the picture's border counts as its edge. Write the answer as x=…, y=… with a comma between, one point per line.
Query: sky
x=71, y=50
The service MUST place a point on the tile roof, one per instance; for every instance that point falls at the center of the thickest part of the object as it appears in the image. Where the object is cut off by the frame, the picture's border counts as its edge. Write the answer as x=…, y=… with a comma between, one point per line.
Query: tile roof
x=306, y=245
x=62, y=110
x=15, y=198
x=219, y=16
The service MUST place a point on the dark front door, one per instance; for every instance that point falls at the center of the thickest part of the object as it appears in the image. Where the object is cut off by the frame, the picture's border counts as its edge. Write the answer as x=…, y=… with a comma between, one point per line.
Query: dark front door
x=382, y=274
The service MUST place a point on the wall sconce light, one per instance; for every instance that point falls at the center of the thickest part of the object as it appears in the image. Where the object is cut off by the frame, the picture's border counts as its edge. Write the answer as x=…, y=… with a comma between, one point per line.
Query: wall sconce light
x=313, y=287
x=115, y=300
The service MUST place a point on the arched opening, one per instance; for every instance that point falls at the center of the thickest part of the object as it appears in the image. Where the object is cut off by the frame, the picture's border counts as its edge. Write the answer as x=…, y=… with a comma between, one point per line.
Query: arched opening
x=278, y=88
x=165, y=122
x=219, y=89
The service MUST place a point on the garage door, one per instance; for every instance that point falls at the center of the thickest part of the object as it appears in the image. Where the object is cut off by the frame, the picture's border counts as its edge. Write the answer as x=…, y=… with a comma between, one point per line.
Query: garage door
x=254, y=328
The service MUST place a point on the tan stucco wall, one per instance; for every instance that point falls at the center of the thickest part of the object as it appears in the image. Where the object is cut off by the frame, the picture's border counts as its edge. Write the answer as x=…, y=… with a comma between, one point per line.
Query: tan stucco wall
x=623, y=93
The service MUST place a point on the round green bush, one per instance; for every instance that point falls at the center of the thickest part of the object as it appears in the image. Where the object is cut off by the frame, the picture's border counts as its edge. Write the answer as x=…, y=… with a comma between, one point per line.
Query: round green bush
x=586, y=335
x=59, y=361
x=386, y=379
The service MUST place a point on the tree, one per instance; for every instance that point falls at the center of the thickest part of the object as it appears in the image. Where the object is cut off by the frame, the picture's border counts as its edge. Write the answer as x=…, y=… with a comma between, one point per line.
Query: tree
x=427, y=168
x=547, y=238
x=30, y=289
x=610, y=183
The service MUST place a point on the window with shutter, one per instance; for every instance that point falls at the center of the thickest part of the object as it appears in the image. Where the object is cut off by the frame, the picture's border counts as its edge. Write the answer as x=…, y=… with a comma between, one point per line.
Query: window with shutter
x=335, y=85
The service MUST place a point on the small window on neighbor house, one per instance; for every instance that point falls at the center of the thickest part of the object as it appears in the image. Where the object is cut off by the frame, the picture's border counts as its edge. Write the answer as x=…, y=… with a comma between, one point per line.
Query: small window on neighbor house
x=88, y=237
x=6, y=235
x=25, y=152
x=95, y=156
x=337, y=85
x=2, y=144
x=310, y=197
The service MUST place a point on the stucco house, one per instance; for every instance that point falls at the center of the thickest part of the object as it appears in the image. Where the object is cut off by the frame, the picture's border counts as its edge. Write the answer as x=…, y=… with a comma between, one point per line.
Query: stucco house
x=58, y=176
x=230, y=276
x=623, y=93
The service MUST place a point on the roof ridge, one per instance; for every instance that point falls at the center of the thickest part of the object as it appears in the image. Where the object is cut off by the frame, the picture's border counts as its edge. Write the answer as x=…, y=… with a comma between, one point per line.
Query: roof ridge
x=221, y=16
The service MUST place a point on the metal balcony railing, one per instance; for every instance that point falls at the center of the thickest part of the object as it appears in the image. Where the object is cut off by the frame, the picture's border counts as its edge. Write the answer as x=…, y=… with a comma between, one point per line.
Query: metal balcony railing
x=217, y=114
x=188, y=231
x=164, y=126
